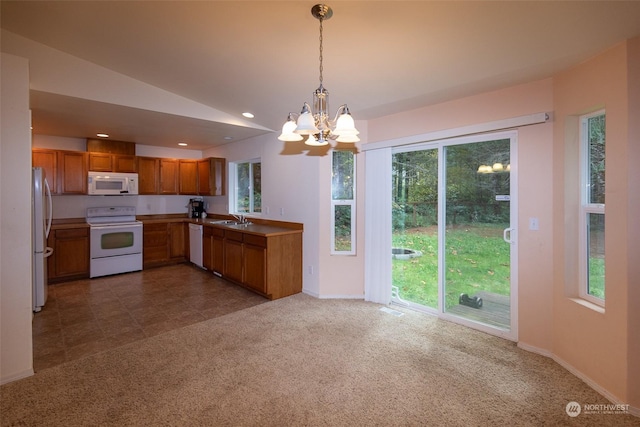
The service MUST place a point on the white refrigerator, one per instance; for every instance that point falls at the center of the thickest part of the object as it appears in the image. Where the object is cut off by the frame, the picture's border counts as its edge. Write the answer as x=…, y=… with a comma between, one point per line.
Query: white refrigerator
x=42, y=212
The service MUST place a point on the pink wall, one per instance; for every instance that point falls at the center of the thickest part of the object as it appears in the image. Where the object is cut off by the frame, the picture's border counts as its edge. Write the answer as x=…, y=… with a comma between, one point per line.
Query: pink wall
x=585, y=337
x=515, y=101
x=633, y=210
x=597, y=344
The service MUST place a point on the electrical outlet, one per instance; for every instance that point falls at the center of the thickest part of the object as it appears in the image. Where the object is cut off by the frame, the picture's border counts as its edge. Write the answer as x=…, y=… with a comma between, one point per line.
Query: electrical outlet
x=534, y=224
x=281, y=211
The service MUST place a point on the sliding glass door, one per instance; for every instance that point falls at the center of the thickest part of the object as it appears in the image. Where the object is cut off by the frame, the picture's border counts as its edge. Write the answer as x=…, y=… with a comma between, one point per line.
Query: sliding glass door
x=452, y=237
x=477, y=245
x=415, y=227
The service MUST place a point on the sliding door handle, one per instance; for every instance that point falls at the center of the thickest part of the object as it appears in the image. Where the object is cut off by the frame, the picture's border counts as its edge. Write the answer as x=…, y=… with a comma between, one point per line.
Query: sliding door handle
x=506, y=235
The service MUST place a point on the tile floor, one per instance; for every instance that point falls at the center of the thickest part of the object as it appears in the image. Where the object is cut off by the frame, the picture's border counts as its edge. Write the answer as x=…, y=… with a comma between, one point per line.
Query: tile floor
x=84, y=317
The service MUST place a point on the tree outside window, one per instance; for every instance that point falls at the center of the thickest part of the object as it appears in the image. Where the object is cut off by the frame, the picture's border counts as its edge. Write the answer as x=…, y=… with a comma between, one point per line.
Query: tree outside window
x=248, y=187
x=592, y=223
x=343, y=201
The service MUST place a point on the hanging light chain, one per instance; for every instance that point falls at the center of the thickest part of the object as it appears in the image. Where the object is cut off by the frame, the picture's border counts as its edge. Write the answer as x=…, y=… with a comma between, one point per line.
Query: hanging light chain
x=321, y=19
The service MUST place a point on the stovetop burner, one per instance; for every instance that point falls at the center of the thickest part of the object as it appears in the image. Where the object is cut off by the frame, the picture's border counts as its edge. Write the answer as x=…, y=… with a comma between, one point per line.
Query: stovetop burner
x=113, y=215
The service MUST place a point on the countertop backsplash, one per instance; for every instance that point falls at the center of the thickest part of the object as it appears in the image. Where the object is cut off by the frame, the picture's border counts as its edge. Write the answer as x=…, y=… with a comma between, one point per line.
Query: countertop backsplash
x=76, y=206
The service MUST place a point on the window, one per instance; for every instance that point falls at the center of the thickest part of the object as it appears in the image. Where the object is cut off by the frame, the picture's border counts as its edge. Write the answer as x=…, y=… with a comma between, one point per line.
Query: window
x=246, y=187
x=592, y=155
x=343, y=203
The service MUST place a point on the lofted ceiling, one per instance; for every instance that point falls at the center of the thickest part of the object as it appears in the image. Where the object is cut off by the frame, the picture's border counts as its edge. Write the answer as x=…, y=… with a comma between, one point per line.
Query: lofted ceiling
x=380, y=57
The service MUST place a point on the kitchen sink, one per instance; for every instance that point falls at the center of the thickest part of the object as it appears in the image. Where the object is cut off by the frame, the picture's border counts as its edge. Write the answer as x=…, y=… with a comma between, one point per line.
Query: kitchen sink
x=227, y=222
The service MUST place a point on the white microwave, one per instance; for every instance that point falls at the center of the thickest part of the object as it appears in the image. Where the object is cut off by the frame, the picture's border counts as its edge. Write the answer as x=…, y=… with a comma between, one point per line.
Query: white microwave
x=112, y=183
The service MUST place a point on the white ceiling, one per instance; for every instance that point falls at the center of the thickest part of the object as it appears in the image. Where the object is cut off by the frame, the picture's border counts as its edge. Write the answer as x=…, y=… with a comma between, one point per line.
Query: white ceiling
x=380, y=57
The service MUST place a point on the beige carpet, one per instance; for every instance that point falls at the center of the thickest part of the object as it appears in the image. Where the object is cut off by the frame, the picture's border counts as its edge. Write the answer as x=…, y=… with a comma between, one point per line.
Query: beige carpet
x=301, y=361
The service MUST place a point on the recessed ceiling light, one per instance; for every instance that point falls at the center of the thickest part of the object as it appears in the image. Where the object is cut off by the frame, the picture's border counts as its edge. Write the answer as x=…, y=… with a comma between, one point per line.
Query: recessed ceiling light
x=102, y=135
x=228, y=138
x=248, y=115
x=182, y=144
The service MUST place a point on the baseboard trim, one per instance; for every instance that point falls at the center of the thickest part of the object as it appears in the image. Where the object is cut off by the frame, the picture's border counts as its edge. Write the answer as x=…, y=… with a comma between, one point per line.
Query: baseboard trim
x=590, y=382
x=534, y=349
x=16, y=377
x=341, y=297
x=331, y=296
x=312, y=294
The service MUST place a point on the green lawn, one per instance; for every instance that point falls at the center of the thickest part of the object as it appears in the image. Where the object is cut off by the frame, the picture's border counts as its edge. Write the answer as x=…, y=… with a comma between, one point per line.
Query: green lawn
x=596, y=277
x=477, y=258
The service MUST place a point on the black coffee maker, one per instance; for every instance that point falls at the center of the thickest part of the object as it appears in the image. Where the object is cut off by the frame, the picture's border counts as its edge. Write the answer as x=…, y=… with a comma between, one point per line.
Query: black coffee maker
x=196, y=208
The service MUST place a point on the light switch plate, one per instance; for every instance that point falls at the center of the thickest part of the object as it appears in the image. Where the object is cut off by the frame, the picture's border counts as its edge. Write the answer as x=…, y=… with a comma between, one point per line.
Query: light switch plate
x=534, y=224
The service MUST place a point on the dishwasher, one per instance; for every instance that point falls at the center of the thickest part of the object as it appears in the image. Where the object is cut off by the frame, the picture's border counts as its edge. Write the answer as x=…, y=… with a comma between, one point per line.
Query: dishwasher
x=195, y=244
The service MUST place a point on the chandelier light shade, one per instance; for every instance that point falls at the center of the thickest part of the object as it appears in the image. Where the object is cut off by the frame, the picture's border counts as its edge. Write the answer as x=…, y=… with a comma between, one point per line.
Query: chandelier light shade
x=315, y=122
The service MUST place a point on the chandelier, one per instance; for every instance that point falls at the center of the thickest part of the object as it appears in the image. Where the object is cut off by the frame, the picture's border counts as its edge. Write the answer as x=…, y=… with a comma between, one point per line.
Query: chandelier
x=315, y=123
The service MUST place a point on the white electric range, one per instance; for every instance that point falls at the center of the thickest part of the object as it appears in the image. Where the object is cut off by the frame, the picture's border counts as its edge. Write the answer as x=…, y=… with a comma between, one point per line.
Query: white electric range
x=116, y=240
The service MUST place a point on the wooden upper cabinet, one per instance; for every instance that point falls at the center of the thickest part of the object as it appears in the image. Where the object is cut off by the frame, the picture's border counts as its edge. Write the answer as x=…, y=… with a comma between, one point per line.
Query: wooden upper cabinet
x=212, y=177
x=109, y=146
x=124, y=163
x=100, y=162
x=66, y=172
x=188, y=181
x=148, y=175
x=105, y=162
x=47, y=160
x=72, y=172
x=168, y=176
x=111, y=156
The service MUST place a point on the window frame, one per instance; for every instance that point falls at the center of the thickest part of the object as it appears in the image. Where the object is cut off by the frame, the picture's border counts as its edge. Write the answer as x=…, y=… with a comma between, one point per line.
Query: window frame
x=233, y=188
x=587, y=208
x=341, y=202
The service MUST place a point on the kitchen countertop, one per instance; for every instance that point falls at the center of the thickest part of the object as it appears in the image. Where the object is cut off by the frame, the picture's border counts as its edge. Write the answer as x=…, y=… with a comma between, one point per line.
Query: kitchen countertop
x=263, y=228
x=60, y=224
x=257, y=229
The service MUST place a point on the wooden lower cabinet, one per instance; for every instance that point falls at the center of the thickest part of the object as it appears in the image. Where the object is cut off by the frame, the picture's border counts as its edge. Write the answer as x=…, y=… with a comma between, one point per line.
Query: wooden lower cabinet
x=207, y=248
x=233, y=249
x=270, y=265
x=217, y=251
x=213, y=249
x=70, y=258
x=178, y=241
x=164, y=243
x=254, y=265
x=155, y=244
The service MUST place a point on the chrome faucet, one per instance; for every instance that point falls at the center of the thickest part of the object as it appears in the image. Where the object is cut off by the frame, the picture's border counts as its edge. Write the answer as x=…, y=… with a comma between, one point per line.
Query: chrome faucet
x=240, y=218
